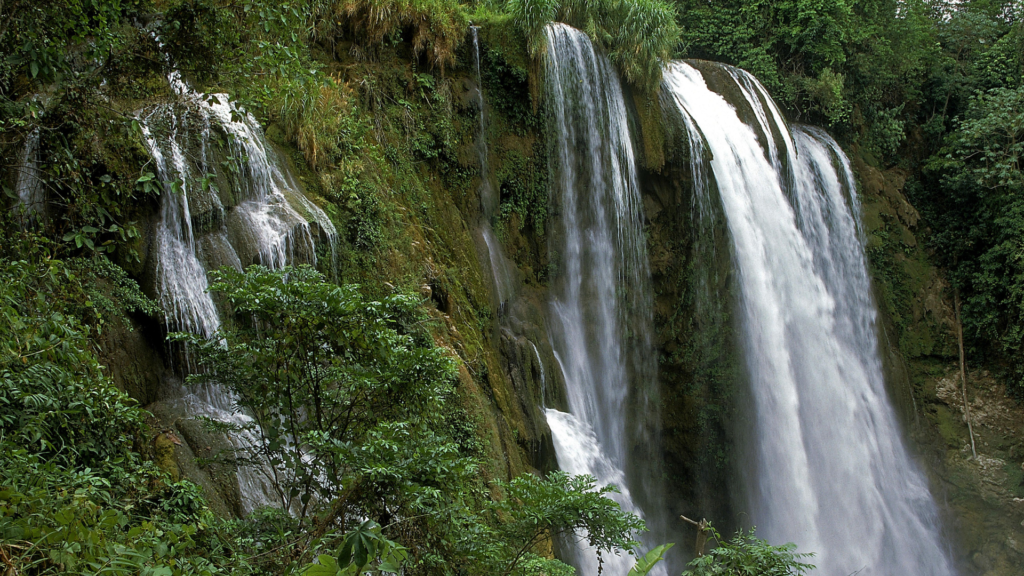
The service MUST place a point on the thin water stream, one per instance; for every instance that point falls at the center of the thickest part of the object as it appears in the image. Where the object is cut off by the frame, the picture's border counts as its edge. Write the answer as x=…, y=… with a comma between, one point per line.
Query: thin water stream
x=501, y=267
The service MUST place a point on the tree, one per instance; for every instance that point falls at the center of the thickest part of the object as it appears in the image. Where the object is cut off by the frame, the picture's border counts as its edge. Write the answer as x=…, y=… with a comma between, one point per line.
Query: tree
x=353, y=420
x=347, y=398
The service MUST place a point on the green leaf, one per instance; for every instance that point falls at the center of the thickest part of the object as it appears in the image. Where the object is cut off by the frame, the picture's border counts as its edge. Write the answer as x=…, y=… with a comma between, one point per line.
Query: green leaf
x=645, y=564
x=326, y=566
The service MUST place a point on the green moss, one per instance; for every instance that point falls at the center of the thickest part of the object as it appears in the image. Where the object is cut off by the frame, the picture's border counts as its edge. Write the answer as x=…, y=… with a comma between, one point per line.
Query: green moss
x=500, y=35
x=523, y=185
x=652, y=129
x=950, y=426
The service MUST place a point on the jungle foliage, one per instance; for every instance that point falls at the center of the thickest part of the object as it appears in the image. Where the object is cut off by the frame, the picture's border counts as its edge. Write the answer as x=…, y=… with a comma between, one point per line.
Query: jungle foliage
x=353, y=402
x=77, y=496
x=353, y=417
x=637, y=35
x=377, y=466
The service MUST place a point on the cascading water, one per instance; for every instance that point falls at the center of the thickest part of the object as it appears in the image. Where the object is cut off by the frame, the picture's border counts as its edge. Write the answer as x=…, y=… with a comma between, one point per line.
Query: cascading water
x=263, y=226
x=227, y=202
x=832, y=474
x=601, y=314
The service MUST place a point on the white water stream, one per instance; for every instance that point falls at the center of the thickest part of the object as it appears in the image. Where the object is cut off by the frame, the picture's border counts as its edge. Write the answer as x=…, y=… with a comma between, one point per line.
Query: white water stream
x=501, y=267
x=832, y=474
x=601, y=315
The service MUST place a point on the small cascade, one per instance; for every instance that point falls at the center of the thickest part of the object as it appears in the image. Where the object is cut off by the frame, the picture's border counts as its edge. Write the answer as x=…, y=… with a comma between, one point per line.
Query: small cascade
x=221, y=177
x=601, y=313
x=181, y=278
x=501, y=267
x=28, y=185
x=831, y=471
x=227, y=201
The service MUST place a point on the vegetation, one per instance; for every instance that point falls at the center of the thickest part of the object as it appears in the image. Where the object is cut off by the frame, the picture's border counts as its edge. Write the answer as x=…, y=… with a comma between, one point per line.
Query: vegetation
x=357, y=392
x=76, y=496
x=352, y=419
x=745, y=554
x=638, y=35
x=357, y=416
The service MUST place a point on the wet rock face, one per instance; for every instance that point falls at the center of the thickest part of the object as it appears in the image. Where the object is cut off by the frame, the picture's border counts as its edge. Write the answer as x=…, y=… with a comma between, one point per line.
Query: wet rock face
x=985, y=495
x=522, y=365
x=132, y=361
x=696, y=356
x=982, y=499
x=180, y=444
x=912, y=296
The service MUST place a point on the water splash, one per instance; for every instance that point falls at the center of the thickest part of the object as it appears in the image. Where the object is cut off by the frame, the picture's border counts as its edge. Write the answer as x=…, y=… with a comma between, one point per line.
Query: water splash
x=832, y=474
x=579, y=452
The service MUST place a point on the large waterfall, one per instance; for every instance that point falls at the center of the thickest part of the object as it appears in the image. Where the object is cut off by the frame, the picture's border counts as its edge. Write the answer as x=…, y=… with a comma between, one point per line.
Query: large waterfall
x=831, y=472
x=601, y=313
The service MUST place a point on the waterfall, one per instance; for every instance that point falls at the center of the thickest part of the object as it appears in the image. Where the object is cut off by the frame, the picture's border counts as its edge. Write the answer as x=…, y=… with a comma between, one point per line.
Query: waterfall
x=601, y=311
x=256, y=220
x=227, y=201
x=831, y=471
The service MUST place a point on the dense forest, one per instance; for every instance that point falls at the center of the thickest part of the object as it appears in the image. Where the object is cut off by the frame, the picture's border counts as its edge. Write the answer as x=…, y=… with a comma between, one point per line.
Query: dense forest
x=368, y=372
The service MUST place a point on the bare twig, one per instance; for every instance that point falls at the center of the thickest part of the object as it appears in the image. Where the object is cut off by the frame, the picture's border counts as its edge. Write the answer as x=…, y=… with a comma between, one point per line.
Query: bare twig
x=703, y=527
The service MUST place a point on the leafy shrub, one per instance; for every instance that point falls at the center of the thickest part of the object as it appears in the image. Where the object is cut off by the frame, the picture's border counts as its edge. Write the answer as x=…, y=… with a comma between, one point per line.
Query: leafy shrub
x=324, y=372
x=747, y=554
x=76, y=497
x=59, y=521
x=560, y=505
x=54, y=398
x=354, y=421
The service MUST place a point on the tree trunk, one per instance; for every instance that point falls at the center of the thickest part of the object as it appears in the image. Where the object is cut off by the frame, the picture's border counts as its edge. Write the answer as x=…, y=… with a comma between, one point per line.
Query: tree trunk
x=963, y=368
